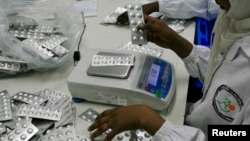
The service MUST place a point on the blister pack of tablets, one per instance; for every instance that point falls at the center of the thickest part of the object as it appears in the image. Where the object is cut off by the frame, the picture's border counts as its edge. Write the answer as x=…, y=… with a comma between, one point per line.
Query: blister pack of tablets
x=23, y=132
x=38, y=28
x=178, y=25
x=60, y=134
x=27, y=34
x=82, y=138
x=157, y=52
x=60, y=100
x=53, y=96
x=29, y=98
x=54, y=41
x=135, y=15
x=40, y=112
x=89, y=115
x=106, y=60
x=4, y=58
x=60, y=50
x=125, y=136
x=37, y=48
x=10, y=66
x=5, y=107
x=142, y=135
x=64, y=103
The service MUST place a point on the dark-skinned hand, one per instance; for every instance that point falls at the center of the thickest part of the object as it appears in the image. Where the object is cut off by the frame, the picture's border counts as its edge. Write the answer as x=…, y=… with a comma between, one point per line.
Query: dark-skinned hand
x=126, y=118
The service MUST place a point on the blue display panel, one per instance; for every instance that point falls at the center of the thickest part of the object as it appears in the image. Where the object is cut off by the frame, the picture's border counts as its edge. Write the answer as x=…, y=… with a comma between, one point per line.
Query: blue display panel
x=156, y=77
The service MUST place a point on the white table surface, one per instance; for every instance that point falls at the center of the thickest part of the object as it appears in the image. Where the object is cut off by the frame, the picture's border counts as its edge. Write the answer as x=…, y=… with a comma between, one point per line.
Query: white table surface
x=100, y=36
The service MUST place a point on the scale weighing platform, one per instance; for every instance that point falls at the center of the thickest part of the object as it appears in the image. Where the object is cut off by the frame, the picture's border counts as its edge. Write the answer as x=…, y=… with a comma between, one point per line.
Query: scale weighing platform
x=123, y=78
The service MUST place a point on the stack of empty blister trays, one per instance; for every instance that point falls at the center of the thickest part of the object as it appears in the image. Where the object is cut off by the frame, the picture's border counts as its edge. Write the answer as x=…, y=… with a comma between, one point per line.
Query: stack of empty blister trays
x=48, y=115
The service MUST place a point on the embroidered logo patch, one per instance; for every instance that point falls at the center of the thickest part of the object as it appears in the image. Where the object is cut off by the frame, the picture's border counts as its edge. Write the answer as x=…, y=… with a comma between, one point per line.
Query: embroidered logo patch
x=227, y=103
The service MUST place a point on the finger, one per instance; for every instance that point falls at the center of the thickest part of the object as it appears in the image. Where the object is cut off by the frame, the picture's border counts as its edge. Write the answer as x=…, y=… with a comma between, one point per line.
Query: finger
x=111, y=135
x=100, y=120
x=97, y=124
x=99, y=131
x=150, y=36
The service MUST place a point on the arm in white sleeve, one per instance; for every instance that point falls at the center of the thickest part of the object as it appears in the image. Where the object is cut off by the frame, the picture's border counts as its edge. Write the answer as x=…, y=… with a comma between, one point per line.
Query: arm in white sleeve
x=197, y=61
x=185, y=9
x=171, y=132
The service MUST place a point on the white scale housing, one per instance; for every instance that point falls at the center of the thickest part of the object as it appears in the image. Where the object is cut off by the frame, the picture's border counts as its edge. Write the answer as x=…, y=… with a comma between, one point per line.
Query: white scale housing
x=149, y=81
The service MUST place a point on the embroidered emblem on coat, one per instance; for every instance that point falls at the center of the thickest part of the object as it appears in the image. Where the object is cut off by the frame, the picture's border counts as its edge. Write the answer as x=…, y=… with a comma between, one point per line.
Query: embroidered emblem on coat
x=227, y=103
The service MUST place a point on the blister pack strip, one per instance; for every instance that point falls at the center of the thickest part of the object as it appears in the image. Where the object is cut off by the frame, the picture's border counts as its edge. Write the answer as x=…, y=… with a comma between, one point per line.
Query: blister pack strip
x=5, y=107
x=141, y=49
x=89, y=115
x=27, y=34
x=53, y=93
x=10, y=66
x=54, y=41
x=105, y=60
x=38, y=28
x=60, y=134
x=135, y=15
x=60, y=50
x=53, y=96
x=142, y=135
x=36, y=47
x=40, y=112
x=29, y=98
x=23, y=132
x=4, y=58
x=68, y=117
x=125, y=136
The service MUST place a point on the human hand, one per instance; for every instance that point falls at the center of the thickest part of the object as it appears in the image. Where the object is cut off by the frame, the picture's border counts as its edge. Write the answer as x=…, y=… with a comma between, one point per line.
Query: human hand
x=159, y=33
x=126, y=118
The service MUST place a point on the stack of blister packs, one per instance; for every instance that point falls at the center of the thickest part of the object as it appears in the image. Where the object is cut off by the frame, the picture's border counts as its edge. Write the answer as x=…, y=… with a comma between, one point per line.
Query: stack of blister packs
x=45, y=42
x=45, y=115
x=48, y=115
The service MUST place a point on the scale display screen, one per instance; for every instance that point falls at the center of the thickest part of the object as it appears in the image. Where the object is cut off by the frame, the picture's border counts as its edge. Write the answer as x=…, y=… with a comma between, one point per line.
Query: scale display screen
x=156, y=77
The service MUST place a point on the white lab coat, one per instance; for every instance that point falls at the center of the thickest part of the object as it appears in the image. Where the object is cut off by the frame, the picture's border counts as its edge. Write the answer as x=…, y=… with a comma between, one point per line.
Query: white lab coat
x=227, y=99
x=185, y=9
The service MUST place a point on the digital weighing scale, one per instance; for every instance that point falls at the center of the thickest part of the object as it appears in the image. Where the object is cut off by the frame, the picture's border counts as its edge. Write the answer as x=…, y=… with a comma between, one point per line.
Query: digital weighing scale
x=123, y=78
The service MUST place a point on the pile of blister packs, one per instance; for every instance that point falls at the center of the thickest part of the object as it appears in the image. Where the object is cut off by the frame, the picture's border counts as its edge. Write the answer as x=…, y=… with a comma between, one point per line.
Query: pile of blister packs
x=45, y=115
x=37, y=35
x=48, y=115
x=42, y=41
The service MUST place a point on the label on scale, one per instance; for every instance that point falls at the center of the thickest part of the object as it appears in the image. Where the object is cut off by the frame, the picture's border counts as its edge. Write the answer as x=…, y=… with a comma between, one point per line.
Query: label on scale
x=98, y=97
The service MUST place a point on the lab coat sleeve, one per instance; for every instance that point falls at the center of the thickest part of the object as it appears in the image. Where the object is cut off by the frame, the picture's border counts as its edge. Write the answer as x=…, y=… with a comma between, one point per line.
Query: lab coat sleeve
x=185, y=9
x=171, y=132
x=197, y=61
